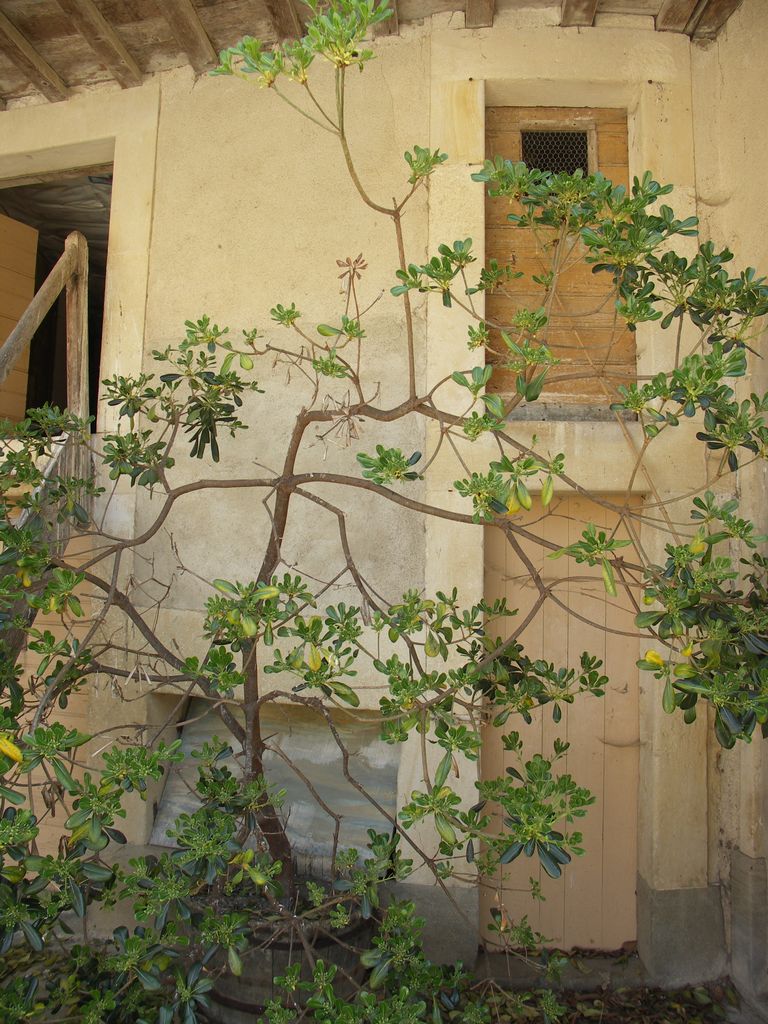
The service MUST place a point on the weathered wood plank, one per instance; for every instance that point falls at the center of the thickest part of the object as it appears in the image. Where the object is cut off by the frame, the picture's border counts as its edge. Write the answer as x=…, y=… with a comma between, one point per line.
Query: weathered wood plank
x=713, y=17
x=284, y=19
x=578, y=12
x=390, y=27
x=675, y=15
x=480, y=13
x=103, y=40
x=184, y=21
x=77, y=326
x=25, y=57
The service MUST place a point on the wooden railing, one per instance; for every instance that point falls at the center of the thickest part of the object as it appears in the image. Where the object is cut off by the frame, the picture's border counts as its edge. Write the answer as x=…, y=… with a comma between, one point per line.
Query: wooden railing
x=70, y=272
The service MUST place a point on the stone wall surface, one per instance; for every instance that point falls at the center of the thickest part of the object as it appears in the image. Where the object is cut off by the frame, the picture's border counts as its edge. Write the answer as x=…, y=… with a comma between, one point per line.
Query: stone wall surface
x=731, y=146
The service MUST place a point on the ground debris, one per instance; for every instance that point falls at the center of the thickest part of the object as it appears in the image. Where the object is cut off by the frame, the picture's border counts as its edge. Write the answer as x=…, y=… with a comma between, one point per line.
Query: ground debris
x=702, y=1004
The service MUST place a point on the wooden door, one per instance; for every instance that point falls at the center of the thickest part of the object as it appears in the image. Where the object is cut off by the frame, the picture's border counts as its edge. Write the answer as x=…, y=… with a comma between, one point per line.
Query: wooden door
x=18, y=255
x=593, y=904
x=596, y=350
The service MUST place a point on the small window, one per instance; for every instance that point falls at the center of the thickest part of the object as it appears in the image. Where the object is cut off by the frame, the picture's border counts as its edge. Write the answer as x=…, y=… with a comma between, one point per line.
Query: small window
x=559, y=152
x=595, y=352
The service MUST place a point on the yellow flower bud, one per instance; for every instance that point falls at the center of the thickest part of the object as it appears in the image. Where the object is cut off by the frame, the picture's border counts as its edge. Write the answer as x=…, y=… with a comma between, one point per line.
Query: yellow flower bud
x=9, y=749
x=655, y=658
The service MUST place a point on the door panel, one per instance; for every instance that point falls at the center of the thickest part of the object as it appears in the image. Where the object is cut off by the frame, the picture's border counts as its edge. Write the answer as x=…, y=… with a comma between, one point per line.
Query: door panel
x=593, y=904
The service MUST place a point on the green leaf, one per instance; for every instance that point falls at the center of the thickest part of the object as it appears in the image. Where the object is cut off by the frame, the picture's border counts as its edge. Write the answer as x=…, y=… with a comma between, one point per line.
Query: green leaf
x=149, y=981
x=234, y=961
x=226, y=588
x=76, y=895
x=32, y=935
x=371, y=957
x=668, y=699
x=442, y=770
x=11, y=796
x=446, y=830
x=608, y=578
x=63, y=775
x=547, y=490
x=249, y=625
x=645, y=619
x=327, y=331
x=511, y=853
x=548, y=862
x=379, y=974
x=346, y=693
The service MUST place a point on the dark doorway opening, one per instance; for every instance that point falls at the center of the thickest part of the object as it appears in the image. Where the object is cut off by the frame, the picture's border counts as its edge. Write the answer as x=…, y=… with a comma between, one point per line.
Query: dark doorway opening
x=55, y=208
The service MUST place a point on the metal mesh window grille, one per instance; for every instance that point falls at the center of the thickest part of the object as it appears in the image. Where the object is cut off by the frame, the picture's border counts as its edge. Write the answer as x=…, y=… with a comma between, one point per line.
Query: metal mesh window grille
x=556, y=151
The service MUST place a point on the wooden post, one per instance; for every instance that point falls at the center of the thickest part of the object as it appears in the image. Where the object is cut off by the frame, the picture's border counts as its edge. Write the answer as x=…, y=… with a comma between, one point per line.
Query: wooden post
x=77, y=326
x=578, y=12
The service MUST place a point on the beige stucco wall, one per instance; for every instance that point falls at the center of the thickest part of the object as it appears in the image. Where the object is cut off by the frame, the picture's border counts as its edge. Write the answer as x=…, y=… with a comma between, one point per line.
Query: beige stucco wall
x=224, y=203
x=731, y=161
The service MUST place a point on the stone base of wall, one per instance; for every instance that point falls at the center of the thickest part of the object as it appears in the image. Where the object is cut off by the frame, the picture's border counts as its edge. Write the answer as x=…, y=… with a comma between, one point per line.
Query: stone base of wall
x=749, y=929
x=450, y=924
x=680, y=934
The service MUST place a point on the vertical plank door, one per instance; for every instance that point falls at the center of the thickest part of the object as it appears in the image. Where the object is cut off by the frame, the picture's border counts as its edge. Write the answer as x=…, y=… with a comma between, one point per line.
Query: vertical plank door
x=593, y=904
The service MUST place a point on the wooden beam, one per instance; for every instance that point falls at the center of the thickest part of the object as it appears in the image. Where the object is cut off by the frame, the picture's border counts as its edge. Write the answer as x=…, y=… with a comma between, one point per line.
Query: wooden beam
x=675, y=15
x=185, y=23
x=713, y=17
x=103, y=40
x=578, y=12
x=390, y=27
x=479, y=13
x=284, y=19
x=33, y=66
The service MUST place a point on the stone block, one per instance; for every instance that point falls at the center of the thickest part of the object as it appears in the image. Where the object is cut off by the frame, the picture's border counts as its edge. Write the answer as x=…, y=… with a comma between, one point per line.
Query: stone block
x=749, y=929
x=680, y=934
x=451, y=923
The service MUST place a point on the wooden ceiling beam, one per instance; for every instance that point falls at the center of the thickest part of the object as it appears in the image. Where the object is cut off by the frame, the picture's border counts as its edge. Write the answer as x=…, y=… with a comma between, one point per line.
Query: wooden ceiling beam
x=713, y=17
x=390, y=27
x=675, y=15
x=103, y=40
x=578, y=12
x=185, y=24
x=285, y=21
x=479, y=13
x=32, y=65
